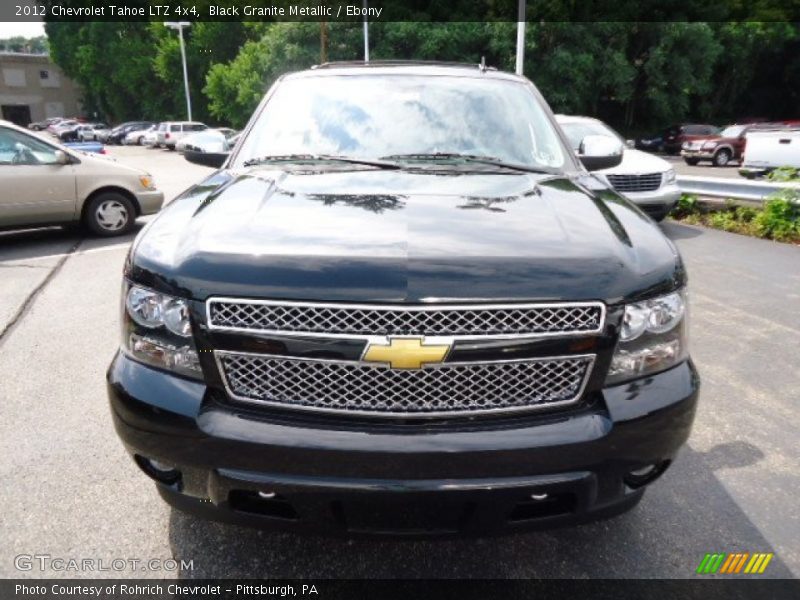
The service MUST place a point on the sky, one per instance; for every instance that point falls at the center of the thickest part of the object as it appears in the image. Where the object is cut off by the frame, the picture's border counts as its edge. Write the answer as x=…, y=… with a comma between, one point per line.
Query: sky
x=27, y=29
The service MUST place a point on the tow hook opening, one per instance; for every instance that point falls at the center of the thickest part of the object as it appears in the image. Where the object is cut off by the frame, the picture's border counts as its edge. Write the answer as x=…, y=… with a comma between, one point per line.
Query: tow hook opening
x=543, y=505
x=157, y=470
x=645, y=475
x=264, y=503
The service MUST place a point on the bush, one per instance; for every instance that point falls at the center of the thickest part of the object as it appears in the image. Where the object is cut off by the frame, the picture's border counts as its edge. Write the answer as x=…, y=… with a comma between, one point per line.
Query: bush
x=687, y=205
x=784, y=174
x=780, y=218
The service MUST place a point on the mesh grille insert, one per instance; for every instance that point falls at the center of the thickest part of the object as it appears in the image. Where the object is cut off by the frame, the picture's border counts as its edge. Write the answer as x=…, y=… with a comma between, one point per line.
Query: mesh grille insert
x=326, y=319
x=378, y=390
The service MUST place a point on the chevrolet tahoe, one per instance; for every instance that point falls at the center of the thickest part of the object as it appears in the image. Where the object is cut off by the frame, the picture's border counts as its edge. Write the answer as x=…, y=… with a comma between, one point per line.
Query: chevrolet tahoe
x=403, y=305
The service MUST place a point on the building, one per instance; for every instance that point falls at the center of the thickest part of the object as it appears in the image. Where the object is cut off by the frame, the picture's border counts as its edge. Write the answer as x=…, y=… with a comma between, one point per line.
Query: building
x=32, y=88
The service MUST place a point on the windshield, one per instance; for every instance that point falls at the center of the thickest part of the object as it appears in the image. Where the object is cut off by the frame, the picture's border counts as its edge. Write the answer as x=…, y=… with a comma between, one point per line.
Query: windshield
x=577, y=130
x=372, y=116
x=732, y=131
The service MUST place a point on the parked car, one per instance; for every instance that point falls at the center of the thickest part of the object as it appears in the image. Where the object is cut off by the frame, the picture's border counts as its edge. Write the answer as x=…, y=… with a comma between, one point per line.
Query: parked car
x=136, y=137
x=675, y=136
x=40, y=125
x=770, y=149
x=69, y=133
x=403, y=306
x=653, y=143
x=216, y=139
x=117, y=135
x=151, y=137
x=92, y=131
x=43, y=183
x=721, y=148
x=646, y=180
x=171, y=132
x=94, y=147
x=59, y=127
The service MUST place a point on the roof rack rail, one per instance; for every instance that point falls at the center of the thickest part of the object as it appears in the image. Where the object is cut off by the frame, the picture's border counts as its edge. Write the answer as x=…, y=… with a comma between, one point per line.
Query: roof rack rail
x=400, y=63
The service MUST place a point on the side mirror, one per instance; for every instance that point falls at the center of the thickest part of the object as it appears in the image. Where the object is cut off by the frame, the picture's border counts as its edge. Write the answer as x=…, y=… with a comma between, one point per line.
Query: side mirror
x=62, y=158
x=598, y=152
x=630, y=143
x=207, y=159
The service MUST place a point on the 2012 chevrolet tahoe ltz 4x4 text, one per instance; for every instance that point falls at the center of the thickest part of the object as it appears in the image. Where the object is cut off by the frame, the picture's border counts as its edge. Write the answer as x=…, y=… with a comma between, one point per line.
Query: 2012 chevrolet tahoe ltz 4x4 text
x=403, y=305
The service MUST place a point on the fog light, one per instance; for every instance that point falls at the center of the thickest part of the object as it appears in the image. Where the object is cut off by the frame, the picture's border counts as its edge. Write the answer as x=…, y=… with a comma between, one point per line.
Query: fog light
x=644, y=475
x=160, y=471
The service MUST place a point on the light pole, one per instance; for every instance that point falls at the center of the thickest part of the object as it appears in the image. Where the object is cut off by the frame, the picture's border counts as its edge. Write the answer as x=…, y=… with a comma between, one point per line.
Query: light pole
x=179, y=25
x=366, y=34
x=520, y=36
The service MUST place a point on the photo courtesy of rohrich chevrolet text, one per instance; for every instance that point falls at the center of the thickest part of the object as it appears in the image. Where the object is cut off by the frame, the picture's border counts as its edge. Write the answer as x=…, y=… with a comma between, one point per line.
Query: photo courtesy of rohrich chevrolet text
x=391, y=299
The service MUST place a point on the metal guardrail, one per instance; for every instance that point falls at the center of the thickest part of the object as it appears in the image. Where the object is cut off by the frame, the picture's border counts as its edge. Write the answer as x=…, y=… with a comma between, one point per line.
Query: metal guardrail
x=719, y=187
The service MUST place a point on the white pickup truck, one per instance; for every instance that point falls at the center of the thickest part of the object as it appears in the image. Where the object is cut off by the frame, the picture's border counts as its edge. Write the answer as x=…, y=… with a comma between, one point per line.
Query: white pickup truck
x=770, y=149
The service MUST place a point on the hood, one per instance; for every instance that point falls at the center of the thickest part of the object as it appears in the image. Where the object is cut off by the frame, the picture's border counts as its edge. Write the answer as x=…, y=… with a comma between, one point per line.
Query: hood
x=636, y=162
x=389, y=236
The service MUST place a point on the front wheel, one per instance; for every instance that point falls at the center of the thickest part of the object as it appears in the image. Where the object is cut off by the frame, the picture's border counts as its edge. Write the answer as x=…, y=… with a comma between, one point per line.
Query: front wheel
x=140, y=141
x=691, y=161
x=110, y=214
x=722, y=157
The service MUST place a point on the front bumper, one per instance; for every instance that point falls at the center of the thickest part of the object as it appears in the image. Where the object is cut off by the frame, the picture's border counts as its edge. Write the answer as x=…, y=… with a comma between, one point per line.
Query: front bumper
x=657, y=203
x=150, y=202
x=353, y=478
x=698, y=154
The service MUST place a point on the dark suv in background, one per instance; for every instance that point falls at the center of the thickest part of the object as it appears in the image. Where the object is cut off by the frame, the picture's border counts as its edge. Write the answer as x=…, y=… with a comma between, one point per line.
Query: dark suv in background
x=404, y=306
x=674, y=137
x=119, y=132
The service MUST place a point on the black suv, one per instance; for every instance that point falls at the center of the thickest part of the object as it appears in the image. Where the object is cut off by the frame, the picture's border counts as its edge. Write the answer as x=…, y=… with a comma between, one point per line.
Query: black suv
x=403, y=306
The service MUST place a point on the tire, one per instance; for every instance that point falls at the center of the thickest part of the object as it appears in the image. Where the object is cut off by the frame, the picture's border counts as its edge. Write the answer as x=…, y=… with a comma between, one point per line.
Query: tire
x=722, y=157
x=140, y=141
x=109, y=214
x=691, y=161
x=170, y=148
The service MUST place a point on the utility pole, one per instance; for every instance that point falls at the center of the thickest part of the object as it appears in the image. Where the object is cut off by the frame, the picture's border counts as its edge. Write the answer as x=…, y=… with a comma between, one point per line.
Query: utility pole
x=366, y=34
x=179, y=25
x=323, y=42
x=520, y=36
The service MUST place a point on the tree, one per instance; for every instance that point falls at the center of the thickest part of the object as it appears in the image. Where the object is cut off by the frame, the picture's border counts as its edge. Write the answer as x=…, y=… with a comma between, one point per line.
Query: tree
x=35, y=45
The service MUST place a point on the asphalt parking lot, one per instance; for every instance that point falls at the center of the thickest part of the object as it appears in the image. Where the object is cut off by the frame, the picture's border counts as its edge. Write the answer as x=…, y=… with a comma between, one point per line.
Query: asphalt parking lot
x=70, y=491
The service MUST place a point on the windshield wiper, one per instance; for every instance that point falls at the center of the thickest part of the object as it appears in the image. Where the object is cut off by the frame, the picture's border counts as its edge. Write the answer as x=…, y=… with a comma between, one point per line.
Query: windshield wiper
x=470, y=158
x=319, y=158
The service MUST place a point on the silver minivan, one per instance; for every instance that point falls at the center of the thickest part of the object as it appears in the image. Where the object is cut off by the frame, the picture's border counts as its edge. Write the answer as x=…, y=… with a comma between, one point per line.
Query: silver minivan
x=169, y=132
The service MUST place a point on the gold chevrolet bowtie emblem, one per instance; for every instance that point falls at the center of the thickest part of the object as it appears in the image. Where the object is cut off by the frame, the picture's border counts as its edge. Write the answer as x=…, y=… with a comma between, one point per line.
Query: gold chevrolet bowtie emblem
x=406, y=353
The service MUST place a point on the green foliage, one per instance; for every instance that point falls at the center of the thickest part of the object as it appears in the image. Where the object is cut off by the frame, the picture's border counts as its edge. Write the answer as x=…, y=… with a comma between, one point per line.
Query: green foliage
x=688, y=204
x=780, y=218
x=638, y=76
x=36, y=45
x=783, y=174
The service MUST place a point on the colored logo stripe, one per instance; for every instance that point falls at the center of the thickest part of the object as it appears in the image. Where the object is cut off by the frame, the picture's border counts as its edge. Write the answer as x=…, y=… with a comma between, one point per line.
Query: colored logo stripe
x=721, y=562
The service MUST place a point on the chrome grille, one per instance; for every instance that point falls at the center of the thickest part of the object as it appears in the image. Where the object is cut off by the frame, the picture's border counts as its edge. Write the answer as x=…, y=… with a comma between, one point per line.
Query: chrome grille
x=451, y=320
x=446, y=389
x=635, y=183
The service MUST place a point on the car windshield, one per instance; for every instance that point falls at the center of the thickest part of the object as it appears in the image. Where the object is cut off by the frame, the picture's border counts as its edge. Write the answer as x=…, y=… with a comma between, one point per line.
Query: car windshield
x=732, y=131
x=577, y=130
x=373, y=116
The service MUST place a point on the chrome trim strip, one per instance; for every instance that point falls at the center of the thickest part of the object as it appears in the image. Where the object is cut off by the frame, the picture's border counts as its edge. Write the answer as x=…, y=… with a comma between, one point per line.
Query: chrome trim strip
x=218, y=354
x=409, y=308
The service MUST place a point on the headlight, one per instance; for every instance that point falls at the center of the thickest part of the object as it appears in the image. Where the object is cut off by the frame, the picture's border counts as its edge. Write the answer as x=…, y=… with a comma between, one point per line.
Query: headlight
x=709, y=145
x=653, y=337
x=157, y=330
x=669, y=176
